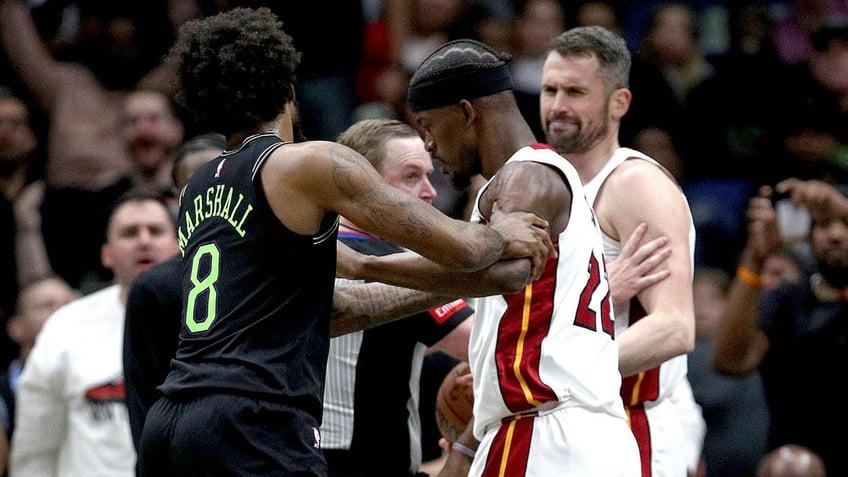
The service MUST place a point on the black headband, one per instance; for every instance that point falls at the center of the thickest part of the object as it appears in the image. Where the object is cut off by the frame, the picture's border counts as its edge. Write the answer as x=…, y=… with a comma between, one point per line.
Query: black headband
x=449, y=90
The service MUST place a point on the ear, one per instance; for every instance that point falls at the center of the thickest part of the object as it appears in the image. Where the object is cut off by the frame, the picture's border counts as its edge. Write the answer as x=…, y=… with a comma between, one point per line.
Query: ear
x=14, y=328
x=468, y=112
x=106, y=256
x=619, y=102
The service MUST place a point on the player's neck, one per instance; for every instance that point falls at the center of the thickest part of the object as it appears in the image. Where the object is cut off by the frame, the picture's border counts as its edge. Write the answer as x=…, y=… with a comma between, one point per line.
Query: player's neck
x=590, y=162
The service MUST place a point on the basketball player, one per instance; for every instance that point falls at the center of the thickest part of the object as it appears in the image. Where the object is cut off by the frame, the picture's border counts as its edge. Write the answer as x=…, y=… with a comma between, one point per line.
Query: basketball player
x=257, y=231
x=584, y=96
x=543, y=356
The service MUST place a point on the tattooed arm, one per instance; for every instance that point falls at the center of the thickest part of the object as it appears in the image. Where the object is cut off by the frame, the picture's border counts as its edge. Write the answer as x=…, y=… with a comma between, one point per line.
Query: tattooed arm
x=359, y=306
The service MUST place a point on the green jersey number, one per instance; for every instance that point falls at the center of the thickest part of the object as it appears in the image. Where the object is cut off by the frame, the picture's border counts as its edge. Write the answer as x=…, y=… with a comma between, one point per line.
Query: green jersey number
x=205, y=286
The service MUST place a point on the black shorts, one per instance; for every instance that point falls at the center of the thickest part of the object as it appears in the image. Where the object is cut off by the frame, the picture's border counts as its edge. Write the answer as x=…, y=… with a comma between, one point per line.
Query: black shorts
x=228, y=435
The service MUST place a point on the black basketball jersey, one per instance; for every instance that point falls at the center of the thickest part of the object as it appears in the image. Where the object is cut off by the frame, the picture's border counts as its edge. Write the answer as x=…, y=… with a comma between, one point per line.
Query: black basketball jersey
x=256, y=295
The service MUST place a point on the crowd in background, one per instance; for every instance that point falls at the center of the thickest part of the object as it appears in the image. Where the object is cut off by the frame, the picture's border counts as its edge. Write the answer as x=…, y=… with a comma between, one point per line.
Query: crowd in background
x=729, y=96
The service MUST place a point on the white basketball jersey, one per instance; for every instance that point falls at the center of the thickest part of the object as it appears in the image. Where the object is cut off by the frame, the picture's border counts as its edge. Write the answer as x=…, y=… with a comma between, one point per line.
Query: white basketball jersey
x=551, y=344
x=656, y=383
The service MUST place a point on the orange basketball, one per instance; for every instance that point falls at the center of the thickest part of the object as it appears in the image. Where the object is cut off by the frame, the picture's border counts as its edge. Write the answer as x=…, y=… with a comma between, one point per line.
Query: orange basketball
x=454, y=403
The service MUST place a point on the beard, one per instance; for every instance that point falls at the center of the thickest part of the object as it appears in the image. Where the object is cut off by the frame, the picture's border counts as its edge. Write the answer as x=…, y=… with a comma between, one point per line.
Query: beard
x=297, y=124
x=580, y=141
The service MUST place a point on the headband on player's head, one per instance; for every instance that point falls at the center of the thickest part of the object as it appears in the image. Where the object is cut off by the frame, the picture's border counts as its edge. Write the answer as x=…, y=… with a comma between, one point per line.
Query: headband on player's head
x=460, y=69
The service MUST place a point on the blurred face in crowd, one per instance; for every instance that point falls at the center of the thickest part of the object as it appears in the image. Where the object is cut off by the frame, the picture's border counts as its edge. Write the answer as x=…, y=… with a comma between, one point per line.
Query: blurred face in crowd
x=407, y=166
x=778, y=269
x=36, y=302
x=140, y=234
x=830, y=66
x=151, y=131
x=17, y=140
x=829, y=242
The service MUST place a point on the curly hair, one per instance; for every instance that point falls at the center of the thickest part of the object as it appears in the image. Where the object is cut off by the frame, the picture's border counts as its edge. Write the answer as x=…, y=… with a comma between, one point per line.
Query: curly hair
x=235, y=69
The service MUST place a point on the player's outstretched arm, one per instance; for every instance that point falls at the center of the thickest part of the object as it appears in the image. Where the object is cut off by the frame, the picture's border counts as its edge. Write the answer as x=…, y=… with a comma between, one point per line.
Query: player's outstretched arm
x=331, y=177
x=359, y=306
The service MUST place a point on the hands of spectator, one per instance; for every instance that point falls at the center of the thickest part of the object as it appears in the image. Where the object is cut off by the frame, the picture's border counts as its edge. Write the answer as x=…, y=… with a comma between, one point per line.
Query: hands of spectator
x=819, y=197
x=27, y=208
x=763, y=232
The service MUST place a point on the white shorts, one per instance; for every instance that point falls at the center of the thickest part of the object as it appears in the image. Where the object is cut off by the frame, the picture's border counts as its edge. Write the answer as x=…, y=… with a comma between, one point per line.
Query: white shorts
x=568, y=441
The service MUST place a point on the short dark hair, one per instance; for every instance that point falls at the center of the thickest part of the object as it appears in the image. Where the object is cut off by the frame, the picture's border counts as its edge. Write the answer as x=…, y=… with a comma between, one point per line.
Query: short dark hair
x=135, y=194
x=200, y=142
x=235, y=69
x=459, y=69
x=608, y=47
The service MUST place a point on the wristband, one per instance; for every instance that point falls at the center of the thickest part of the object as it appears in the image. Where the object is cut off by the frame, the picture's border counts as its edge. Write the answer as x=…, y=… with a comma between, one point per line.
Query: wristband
x=749, y=277
x=467, y=451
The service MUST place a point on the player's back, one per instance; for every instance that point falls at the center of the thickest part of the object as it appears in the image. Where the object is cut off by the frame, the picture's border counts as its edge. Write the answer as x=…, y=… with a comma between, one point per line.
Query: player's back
x=551, y=344
x=256, y=296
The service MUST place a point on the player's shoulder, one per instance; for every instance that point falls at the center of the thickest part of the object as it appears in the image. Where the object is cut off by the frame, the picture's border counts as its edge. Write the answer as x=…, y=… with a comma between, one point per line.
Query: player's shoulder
x=638, y=173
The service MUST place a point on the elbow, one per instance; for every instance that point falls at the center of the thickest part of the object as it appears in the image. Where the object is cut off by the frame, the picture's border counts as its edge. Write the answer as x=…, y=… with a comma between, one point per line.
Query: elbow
x=511, y=276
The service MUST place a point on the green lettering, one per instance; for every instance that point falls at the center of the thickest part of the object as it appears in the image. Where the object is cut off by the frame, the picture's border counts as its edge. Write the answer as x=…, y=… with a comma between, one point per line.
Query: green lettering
x=225, y=213
x=232, y=219
x=239, y=227
x=198, y=209
x=219, y=192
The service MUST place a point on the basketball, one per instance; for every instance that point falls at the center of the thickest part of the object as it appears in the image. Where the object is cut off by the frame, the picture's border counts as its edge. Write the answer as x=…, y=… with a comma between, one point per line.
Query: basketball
x=454, y=403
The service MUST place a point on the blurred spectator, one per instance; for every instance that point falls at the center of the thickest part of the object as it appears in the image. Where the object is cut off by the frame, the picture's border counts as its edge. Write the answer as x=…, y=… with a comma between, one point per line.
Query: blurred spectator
x=734, y=408
x=672, y=41
x=792, y=31
x=18, y=142
x=654, y=113
x=70, y=415
x=329, y=35
x=605, y=13
x=150, y=132
x=729, y=143
x=814, y=118
x=36, y=302
x=796, y=331
x=89, y=161
x=539, y=21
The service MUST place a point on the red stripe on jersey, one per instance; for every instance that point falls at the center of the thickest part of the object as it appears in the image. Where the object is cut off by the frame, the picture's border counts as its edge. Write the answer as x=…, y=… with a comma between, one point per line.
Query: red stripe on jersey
x=521, y=330
x=510, y=450
x=644, y=386
x=641, y=428
x=442, y=313
x=541, y=145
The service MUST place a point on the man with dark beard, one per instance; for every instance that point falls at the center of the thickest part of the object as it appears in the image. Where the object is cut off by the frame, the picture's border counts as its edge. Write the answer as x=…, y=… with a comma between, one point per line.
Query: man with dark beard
x=797, y=333
x=584, y=96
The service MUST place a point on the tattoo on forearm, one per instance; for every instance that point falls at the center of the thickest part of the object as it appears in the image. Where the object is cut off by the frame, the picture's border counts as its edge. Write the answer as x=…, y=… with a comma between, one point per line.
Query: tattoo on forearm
x=359, y=306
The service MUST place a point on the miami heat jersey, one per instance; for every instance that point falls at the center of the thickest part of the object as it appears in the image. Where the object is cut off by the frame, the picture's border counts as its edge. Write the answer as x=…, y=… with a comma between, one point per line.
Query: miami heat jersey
x=552, y=344
x=658, y=382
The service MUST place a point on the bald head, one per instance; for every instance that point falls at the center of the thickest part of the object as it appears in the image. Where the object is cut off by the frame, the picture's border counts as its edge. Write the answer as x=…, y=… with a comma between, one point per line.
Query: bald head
x=791, y=461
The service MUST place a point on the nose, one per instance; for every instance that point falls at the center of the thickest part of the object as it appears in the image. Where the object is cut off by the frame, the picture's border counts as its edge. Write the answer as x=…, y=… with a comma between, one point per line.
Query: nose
x=427, y=192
